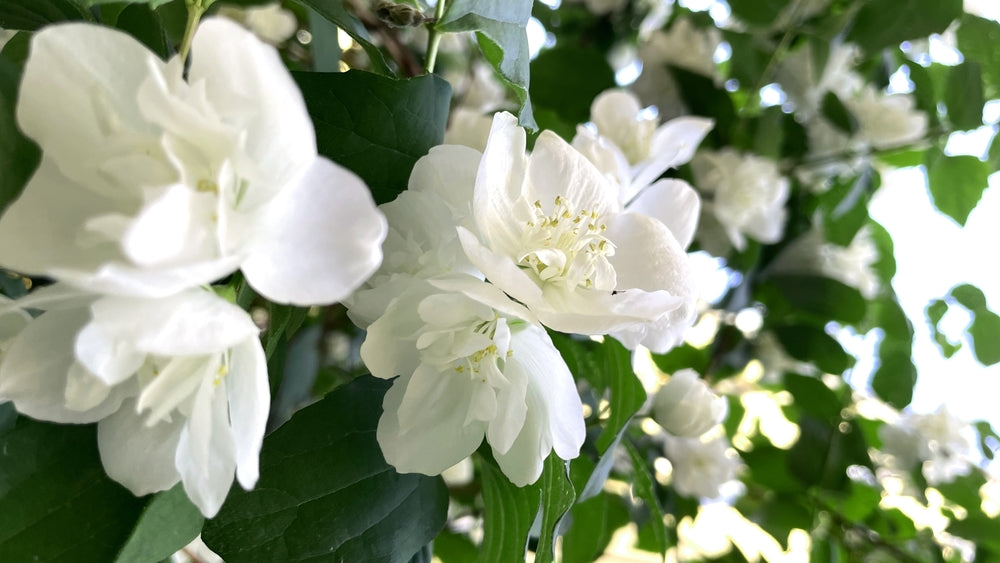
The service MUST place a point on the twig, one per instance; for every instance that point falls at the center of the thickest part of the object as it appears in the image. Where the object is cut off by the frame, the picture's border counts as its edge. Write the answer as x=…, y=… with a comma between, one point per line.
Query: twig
x=404, y=58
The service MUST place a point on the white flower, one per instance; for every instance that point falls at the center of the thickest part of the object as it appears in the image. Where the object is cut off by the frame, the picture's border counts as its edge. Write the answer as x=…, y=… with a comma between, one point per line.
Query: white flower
x=805, y=85
x=553, y=235
x=945, y=443
x=747, y=194
x=270, y=22
x=12, y=322
x=701, y=467
x=852, y=265
x=470, y=364
x=886, y=120
x=469, y=128
x=687, y=407
x=178, y=385
x=683, y=46
x=150, y=184
x=483, y=92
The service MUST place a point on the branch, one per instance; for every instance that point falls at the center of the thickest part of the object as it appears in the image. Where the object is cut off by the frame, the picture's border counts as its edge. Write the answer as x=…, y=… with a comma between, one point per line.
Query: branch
x=400, y=53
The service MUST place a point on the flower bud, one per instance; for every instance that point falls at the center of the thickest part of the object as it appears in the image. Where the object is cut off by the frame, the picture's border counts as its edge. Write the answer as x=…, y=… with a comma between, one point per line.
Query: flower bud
x=686, y=407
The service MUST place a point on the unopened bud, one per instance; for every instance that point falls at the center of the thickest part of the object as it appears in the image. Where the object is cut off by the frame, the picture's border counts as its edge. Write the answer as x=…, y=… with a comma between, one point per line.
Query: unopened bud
x=686, y=407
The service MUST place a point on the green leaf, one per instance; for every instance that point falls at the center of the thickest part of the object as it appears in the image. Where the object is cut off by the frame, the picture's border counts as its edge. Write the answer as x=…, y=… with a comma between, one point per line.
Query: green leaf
x=500, y=27
x=627, y=393
x=683, y=356
x=454, y=548
x=644, y=489
x=32, y=14
x=963, y=95
x=886, y=23
x=18, y=155
x=751, y=54
x=168, y=523
x=324, y=45
x=567, y=79
x=780, y=514
x=812, y=344
x=841, y=118
x=557, y=498
x=956, y=183
x=144, y=24
x=823, y=453
x=885, y=266
x=769, y=467
x=335, y=12
x=895, y=376
x=826, y=299
x=977, y=39
x=758, y=12
x=985, y=333
x=988, y=438
x=814, y=397
x=935, y=311
x=508, y=514
x=57, y=503
x=703, y=97
x=376, y=126
x=594, y=521
x=326, y=494
x=846, y=207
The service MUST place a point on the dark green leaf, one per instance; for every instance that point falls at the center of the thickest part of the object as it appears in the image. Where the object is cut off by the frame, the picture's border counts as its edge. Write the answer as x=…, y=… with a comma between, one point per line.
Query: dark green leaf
x=703, y=97
x=834, y=110
x=18, y=155
x=57, y=503
x=335, y=12
x=627, y=393
x=567, y=79
x=557, y=498
x=168, y=523
x=143, y=23
x=886, y=23
x=644, y=489
x=454, y=548
x=814, y=397
x=823, y=453
x=963, y=95
x=781, y=514
x=769, y=467
x=895, y=376
x=750, y=56
x=683, y=356
x=857, y=503
x=593, y=523
x=885, y=266
x=978, y=39
x=824, y=298
x=758, y=12
x=956, y=183
x=326, y=494
x=811, y=344
x=376, y=126
x=33, y=14
x=8, y=416
x=509, y=513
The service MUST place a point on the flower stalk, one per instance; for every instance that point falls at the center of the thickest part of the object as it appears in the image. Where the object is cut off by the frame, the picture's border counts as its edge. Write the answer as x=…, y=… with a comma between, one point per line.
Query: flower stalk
x=434, y=39
x=195, y=9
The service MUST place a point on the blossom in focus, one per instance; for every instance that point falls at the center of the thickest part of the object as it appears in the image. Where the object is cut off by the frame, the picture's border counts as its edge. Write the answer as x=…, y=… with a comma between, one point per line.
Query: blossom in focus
x=746, y=194
x=853, y=265
x=177, y=385
x=945, y=443
x=269, y=22
x=471, y=364
x=701, y=467
x=150, y=184
x=551, y=232
x=686, y=407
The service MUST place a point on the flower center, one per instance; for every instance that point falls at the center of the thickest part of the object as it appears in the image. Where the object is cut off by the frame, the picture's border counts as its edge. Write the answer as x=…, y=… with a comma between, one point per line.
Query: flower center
x=568, y=247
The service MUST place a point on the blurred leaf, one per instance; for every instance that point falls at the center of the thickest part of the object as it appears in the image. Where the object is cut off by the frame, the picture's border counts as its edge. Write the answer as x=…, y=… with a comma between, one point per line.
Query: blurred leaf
x=885, y=266
x=681, y=357
x=703, y=97
x=935, y=312
x=326, y=494
x=769, y=467
x=18, y=155
x=925, y=92
x=750, y=54
x=335, y=12
x=758, y=12
x=985, y=327
x=886, y=23
x=141, y=22
x=956, y=183
x=500, y=27
x=376, y=126
x=823, y=453
x=964, y=95
x=324, y=45
x=856, y=504
x=988, y=438
x=567, y=79
x=57, y=503
x=978, y=39
x=643, y=488
x=841, y=118
x=821, y=297
x=781, y=514
x=813, y=345
x=814, y=397
x=34, y=14
x=593, y=522
x=846, y=207
x=895, y=375
x=168, y=523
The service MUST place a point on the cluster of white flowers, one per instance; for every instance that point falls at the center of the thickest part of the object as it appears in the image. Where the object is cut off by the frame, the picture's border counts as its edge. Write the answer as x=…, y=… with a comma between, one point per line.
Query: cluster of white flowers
x=150, y=187
x=853, y=265
x=484, y=251
x=943, y=442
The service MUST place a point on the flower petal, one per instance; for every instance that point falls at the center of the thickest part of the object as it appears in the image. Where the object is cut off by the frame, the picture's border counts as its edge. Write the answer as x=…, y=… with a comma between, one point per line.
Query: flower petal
x=500, y=270
x=139, y=457
x=206, y=456
x=675, y=204
x=450, y=172
x=499, y=180
x=557, y=169
x=321, y=239
x=249, y=403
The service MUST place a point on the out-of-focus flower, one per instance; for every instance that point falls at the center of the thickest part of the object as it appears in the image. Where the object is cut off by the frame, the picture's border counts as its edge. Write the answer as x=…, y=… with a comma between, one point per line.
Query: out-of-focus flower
x=683, y=46
x=12, y=322
x=701, y=467
x=805, y=85
x=469, y=128
x=551, y=232
x=269, y=22
x=471, y=364
x=886, y=120
x=178, y=385
x=945, y=443
x=686, y=407
x=746, y=194
x=600, y=7
x=150, y=184
x=852, y=265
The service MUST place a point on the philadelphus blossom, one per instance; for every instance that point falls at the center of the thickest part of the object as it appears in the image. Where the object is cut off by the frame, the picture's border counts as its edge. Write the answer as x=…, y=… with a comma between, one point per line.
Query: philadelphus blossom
x=150, y=184
x=687, y=407
x=551, y=232
x=853, y=265
x=747, y=193
x=945, y=444
x=177, y=385
x=701, y=466
x=270, y=22
x=683, y=46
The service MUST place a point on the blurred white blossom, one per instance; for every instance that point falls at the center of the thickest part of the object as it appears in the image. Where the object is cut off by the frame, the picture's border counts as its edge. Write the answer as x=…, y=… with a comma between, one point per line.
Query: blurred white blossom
x=686, y=407
x=269, y=22
x=943, y=442
x=150, y=184
x=852, y=265
x=683, y=46
x=469, y=128
x=701, y=467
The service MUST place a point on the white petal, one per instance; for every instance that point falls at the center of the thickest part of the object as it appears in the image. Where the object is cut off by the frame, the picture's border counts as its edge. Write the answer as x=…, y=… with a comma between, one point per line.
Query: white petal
x=500, y=179
x=138, y=456
x=36, y=367
x=159, y=232
x=450, y=172
x=674, y=143
x=322, y=239
x=647, y=256
x=78, y=90
x=557, y=169
x=675, y=204
x=600, y=312
x=388, y=348
x=438, y=439
x=501, y=271
x=249, y=402
x=246, y=83
x=607, y=157
x=108, y=357
x=206, y=456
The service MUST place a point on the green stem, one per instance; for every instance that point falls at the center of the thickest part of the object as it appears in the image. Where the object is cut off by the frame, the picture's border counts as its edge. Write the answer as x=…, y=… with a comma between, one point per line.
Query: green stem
x=195, y=9
x=434, y=38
